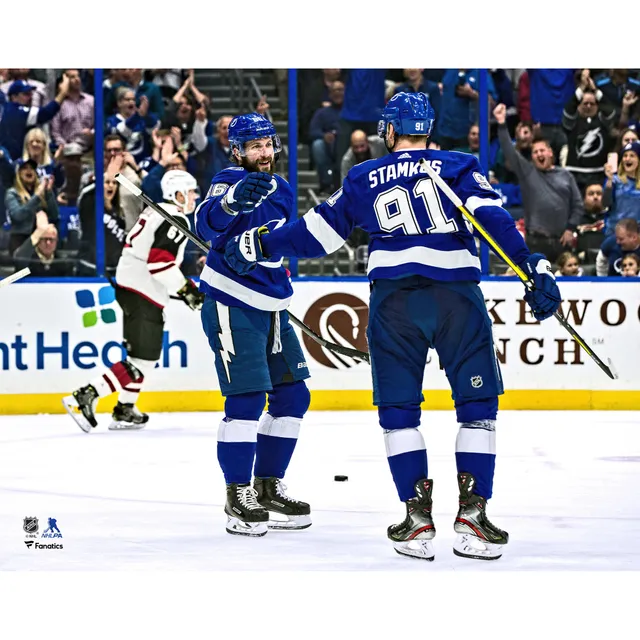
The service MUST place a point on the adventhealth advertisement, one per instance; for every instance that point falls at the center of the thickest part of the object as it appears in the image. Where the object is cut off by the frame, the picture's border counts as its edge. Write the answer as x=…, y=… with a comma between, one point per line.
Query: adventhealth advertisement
x=55, y=337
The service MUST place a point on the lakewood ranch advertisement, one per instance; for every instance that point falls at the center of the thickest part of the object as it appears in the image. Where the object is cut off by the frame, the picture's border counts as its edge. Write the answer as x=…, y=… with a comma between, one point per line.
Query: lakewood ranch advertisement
x=55, y=337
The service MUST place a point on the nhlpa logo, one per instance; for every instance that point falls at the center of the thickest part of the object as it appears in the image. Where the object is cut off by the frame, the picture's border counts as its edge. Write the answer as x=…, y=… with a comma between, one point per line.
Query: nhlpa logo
x=52, y=530
x=85, y=300
x=476, y=382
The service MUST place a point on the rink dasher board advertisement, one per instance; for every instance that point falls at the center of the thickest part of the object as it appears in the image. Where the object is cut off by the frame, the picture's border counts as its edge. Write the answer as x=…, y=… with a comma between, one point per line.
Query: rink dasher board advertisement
x=57, y=336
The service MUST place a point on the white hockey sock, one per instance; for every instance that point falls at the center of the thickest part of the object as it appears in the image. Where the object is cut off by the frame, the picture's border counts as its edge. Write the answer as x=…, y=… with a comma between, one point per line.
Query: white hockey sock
x=130, y=392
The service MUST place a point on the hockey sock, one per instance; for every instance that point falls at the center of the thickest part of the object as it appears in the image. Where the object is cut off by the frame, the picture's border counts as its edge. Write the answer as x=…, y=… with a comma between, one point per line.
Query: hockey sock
x=476, y=453
x=277, y=438
x=237, y=449
x=407, y=456
x=130, y=392
x=118, y=376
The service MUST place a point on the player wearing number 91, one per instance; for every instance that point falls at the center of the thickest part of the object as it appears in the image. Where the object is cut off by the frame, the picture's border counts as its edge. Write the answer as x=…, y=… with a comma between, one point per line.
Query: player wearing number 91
x=148, y=273
x=424, y=270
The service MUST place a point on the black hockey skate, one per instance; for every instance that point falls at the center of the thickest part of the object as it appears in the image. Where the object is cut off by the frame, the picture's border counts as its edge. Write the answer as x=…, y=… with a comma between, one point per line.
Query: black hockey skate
x=413, y=536
x=478, y=538
x=127, y=416
x=81, y=406
x=245, y=517
x=271, y=495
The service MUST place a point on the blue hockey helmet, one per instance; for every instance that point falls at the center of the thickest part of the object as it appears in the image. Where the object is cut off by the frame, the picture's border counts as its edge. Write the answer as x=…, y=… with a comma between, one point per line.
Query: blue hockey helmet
x=252, y=126
x=409, y=113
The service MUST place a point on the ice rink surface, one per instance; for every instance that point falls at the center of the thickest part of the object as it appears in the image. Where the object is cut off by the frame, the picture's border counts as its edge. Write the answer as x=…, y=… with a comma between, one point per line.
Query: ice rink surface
x=152, y=500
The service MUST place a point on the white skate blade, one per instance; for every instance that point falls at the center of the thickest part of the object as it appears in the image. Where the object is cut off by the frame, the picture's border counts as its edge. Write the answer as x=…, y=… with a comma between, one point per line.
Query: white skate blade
x=467, y=545
x=239, y=528
x=69, y=403
x=121, y=425
x=292, y=523
x=421, y=549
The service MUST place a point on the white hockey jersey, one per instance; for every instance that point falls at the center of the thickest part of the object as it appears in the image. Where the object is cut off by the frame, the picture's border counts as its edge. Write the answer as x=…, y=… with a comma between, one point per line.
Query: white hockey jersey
x=152, y=255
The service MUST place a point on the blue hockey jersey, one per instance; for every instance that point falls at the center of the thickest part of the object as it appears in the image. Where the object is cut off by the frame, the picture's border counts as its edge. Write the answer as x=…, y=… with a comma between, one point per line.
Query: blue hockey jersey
x=414, y=229
x=268, y=286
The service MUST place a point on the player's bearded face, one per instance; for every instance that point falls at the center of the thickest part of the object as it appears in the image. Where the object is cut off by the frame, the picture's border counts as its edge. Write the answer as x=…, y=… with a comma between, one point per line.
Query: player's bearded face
x=259, y=156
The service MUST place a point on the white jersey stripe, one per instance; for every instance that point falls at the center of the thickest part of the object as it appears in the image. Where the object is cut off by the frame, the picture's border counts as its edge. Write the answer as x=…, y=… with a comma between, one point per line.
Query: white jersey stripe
x=458, y=259
x=323, y=232
x=474, y=202
x=242, y=293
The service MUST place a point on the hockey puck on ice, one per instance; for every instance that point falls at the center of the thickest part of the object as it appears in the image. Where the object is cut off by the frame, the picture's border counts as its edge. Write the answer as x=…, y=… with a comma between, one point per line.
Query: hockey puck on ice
x=340, y=478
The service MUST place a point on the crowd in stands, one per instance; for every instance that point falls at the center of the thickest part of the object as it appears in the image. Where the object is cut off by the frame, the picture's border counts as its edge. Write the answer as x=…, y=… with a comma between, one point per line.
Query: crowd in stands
x=563, y=154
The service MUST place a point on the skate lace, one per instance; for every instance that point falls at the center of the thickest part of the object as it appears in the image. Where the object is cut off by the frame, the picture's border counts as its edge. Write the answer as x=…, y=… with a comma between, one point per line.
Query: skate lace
x=248, y=497
x=281, y=489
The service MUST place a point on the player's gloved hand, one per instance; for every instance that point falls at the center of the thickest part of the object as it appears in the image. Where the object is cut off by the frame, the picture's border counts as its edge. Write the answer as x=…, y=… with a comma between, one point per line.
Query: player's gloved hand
x=545, y=298
x=249, y=193
x=191, y=296
x=243, y=252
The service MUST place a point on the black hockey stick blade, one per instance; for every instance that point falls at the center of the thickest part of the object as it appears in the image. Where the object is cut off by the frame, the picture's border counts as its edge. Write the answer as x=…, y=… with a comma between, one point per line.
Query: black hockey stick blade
x=345, y=351
x=583, y=344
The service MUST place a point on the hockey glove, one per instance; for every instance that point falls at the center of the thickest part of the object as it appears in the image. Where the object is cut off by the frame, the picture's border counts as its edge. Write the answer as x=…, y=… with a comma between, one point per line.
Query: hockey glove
x=243, y=252
x=545, y=297
x=249, y=193
x=191, y=296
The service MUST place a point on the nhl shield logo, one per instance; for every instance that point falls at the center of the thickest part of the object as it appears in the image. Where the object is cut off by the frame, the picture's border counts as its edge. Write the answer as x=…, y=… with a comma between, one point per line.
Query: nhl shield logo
x=476, y=381
x=30, y=525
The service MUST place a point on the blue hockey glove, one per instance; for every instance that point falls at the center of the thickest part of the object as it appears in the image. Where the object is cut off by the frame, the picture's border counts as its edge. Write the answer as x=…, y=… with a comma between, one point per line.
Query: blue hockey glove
x=545, y=298
x=247, y=194
x=243, y=252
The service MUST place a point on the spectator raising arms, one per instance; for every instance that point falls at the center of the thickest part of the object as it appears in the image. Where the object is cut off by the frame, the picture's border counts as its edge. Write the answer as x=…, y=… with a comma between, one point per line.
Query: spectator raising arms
x=132, y=123
x=36, y=148
x=38, y=252
x=587, y=120
x=623, y=187
x=552, y=201
x=19, y=115
x=28, y=195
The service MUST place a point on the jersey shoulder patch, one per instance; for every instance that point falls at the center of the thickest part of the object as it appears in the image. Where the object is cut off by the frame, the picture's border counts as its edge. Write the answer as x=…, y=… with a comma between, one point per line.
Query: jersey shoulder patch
x=216, y=190
x=482, y=181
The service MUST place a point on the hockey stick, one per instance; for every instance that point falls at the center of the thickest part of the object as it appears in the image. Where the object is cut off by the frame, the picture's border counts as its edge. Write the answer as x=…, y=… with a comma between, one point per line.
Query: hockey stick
x=15, y=276
x=136, y=191
x=446, y=189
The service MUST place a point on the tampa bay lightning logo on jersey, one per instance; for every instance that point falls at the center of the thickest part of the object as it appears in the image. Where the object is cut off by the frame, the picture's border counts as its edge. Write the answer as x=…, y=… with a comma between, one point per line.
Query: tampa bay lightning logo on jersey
x=590, y=144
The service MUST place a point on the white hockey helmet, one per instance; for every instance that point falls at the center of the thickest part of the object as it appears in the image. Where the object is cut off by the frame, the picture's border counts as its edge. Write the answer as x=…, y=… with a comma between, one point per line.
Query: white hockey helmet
x=177, y=181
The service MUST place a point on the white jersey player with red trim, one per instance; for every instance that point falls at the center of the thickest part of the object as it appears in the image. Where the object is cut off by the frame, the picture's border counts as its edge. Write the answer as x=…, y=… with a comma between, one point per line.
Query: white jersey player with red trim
x=152, y=255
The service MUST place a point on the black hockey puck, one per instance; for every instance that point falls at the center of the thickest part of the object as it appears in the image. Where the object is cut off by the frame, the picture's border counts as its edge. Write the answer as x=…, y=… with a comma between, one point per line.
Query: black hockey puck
x=340, y=478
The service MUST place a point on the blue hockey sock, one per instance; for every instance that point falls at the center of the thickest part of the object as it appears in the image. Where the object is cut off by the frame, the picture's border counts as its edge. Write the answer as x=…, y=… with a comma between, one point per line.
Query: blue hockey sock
x=476, y=453
x=277, y=439
x=237, y=449
x=407, y=456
